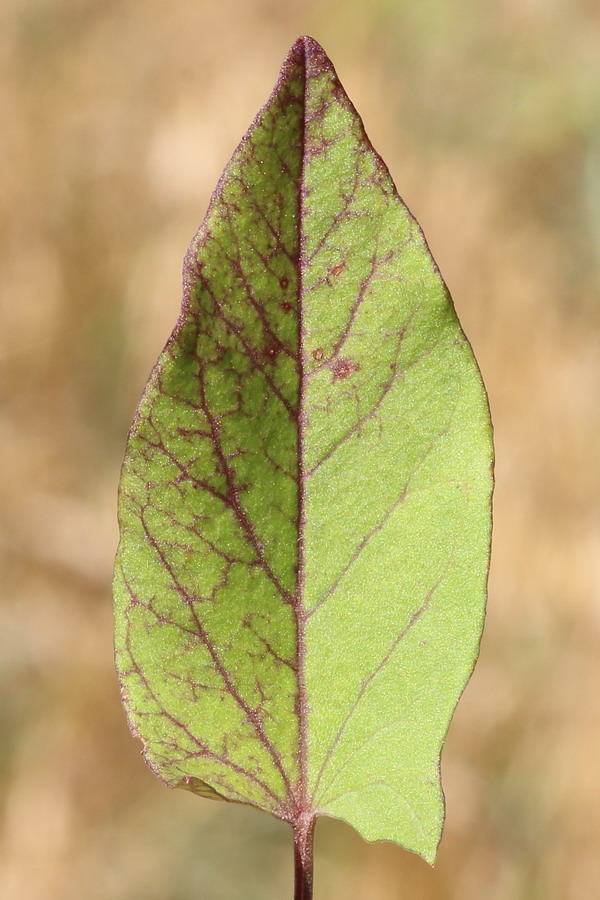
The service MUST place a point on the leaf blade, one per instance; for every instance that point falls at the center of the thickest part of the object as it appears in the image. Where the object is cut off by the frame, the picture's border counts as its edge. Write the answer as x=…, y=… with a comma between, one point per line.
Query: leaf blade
x=305, y=496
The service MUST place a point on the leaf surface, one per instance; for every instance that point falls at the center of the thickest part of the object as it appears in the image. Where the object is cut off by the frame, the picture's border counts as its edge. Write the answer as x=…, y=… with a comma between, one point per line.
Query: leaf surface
x=305, y=497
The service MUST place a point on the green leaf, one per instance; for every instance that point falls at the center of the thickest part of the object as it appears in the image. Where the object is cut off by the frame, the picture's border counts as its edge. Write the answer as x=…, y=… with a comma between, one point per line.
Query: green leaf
x=305, y=497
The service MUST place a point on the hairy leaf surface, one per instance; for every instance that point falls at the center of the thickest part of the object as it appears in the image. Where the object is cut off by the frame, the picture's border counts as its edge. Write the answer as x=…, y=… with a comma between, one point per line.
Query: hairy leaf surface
x=305, y=497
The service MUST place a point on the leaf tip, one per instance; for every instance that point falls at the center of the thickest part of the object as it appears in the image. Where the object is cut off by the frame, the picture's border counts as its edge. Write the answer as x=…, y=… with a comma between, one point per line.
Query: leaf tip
x=306, y=42
x=308, y=50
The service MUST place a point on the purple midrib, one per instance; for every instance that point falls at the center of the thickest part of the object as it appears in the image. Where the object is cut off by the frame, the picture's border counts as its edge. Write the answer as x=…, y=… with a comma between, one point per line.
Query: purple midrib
x=303, y=804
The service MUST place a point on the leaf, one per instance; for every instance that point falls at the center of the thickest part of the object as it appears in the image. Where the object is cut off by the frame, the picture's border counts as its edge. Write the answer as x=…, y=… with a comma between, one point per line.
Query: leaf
x=305, y=497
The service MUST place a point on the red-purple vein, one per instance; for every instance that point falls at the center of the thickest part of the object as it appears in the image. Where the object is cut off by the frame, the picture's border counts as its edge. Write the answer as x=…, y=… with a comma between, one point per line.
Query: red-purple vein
x=396, y=376
x=414, y=618
x=248, y=349
x=299, y=609
x=205, y=751
x=337, y=219
x=262, y=214
x=238, y=267
x=380, y=524
x=232, y=492
x=359, y=549
x=250, y=714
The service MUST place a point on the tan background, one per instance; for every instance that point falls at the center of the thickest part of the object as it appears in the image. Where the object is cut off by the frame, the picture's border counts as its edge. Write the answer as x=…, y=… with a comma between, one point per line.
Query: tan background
x=116, y=118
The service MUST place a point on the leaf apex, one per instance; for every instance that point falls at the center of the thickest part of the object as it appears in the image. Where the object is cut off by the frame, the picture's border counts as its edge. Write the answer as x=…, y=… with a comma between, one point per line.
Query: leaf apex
x=306, y=42
x=310, y=52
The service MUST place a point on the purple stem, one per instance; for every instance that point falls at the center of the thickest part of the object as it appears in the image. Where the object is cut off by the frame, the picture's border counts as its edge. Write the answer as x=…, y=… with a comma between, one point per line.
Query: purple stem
x=304, y=832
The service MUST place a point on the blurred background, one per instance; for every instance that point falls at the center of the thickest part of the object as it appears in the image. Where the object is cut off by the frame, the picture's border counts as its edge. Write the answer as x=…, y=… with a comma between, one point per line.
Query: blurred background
x=116, y=121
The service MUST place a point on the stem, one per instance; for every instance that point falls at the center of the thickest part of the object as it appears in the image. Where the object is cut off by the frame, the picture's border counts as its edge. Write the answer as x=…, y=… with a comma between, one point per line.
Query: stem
x=303, y=860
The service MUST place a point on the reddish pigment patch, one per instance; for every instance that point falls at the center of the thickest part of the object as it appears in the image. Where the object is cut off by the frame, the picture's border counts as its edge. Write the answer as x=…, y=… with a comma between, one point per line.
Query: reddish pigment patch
x=285, y=306
x=337, y=269
x=317, y=354
x=343, y=367
x=272, y=351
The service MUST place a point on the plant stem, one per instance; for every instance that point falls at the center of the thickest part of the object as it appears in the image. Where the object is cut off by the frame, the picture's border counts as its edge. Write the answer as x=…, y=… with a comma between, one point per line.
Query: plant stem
x=303, y=859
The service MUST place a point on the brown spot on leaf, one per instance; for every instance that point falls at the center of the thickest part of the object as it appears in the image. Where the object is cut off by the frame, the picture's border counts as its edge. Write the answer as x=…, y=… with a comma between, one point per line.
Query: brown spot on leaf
x=317, y=354
x=339, y=268
x=285, y=306
x=283, y=281
x=272, y=351
x=343, y=368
